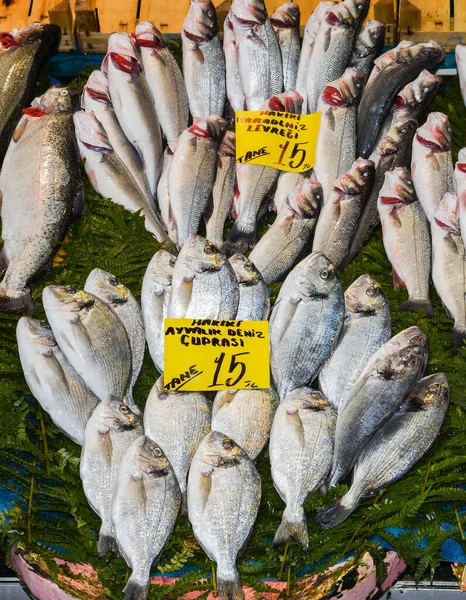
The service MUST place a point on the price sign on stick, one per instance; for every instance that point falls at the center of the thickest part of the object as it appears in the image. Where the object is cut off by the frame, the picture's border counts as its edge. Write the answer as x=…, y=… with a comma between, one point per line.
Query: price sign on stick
x=276, y=139
x=205, y=355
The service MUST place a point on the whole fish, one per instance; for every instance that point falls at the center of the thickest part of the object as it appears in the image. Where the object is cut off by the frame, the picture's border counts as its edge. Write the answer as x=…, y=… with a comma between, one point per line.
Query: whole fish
x=21, y=55
x=112, y=428
x=382, y=88
x=396, y=447
x=306, y=322
x=144, y=512
x=259, y=56
x=246, y=416
x=204, y=285
x=196, y=157
x=223, y=190
x=222, y=505
x=203, y=61
x=369, y=43
x=92, y=338
x=286, y=21
x=233, y=81
x=163, y=196
x=432, y=163
x=133, y=104
x=367, y=325
x=333, y=46
x=52, y=380
x=380, y=390
x=254, y=303
x=301, y=451
x=164, y=79
x=342, y=212
x=289, y=235
x=37, y=210
x=460, y=186
x=114, y=293
x=336, y=144
x=178, y=422
x=96, y=98
x=109, y=175
x=449, y=264
x=287, y=181
x=460, y=55
x=406, y=238
x=155, y=295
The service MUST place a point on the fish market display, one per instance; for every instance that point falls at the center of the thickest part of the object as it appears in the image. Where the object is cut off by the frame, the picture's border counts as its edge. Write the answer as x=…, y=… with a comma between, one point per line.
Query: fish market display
x=460, y=186
x=396, y=447
x=109, y=432
x=164, y=80
x=367, y=47
x=460, y=55
x=52, y=380
x=246, y=416
x=280, y=247
x=406, y=238
x=222, y=505
x=38, y=208
x=234, y=88
x=286, y=21
x=301, y=451
x=254, y=303
x=305, y=323
x=367, y=326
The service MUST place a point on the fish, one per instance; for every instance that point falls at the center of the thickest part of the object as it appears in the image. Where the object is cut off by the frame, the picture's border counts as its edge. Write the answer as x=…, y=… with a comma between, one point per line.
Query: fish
x=301, y=452
x=449, y=264
x=389, y=58
x=396, y=447
x=37, y=210
x=290, y=234
x=133, y=104
x=333, y=47
x=110, y=290
x=164, y=80
x=196, y=157
x=367, y=326
x=305, y=323
x=460, y=186
x=432, y=163
x=285, y=22
x=204, y=285
x=144, y=512
x=92, y=338
x=163, y=196
x=109, y=432
x=54, y=383
x=380, y=390
x=254, y=303
x=287, y=181
x=406, y=238
x=223, y=190
x=155, y=296
x=342, y=212
x=21, y=55
x=245, y=416
x=258, y=50
x=417, y=95
x=177, y=422
x=223, y=503
x=203, y=61
x=460, y=56
x=336, y=144
x=234, y=88
x=384, y=85
x=369, y=43
x=96, y=98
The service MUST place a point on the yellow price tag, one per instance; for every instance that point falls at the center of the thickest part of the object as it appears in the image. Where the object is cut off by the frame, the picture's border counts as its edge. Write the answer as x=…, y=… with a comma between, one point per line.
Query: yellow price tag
x=277, y=139
x=203, y=355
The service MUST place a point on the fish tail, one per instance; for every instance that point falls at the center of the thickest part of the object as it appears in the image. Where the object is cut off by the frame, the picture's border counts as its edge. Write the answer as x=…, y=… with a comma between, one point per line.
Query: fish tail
x=239, y=240
x=22, y=300
x=229, y=585
x=292, y=528
x=336, y=513
x=458, y=337
x=135, y=590
x=106, y=544
x=413, y=304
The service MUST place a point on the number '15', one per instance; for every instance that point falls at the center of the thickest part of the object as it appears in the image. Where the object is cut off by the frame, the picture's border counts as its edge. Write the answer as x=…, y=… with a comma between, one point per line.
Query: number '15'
x=234, y=365
x=295, y=152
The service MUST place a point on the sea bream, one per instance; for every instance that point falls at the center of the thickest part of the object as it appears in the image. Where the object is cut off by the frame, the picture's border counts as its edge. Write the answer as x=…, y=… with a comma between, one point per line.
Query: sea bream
x=233, y=81
x=369, y=43
x=460, y=55
x=254, y=303
x=286, y=21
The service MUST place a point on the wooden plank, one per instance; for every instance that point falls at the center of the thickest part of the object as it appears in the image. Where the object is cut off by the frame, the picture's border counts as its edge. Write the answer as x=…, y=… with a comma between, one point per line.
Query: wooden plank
x=40, y=11
x=117, y=16
x=435, y=14
x=168, y=17
x=85, y=17
x=448, y=39
x=14, y=15
x=460, y=15
x=93, y=43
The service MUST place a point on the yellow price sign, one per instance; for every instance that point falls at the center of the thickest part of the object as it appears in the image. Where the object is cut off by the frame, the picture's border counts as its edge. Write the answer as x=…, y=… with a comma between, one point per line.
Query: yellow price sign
x=205, y=355
x=282, y=140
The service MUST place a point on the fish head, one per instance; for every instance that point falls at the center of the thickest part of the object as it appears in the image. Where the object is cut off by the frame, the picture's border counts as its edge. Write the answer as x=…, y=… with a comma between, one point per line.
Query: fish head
x=407, y=355
x=432, y=390
x=97, y=88
x=107, y=287
x=122, y=54
x=346, y=91
x=431, y=50
x=419, y=92
x=398, y=188
x=374, y=32
x=148, y=36
x=365, y=296
x=90, y=133
x=150, y=458
x=435, y=134
x=228, y=144
x=447, y=214
x=161, y=271
x=212, y=128
x=201, y=255
x=245, y=270
x=8, y=42
x=221, y=451
x=316, y=277
x=306, y=199
x=348, y=13
x=114, y=414
x=34, y=337
x=287, y=16
x=306, y=398
x=402, y=129
x=58, y=99
x=357, y=180
x=248, y=14
x=290, y=101
x=200, y=25
x=47, y=34
x=68, y=300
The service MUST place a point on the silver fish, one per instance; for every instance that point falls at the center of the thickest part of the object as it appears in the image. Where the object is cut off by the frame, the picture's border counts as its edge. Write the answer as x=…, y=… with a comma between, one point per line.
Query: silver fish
x=396, y=447
x=460, y=187
x=306, y=322
x=406, y=238
x=254, y=303
x=417, y=95
x=301, y=452
x=289, y=235
x=222, y=505
x=286, y=21
x=163, y=196
x=367, y=326
x=369, y=43
x=109, y=432
x=234, y=89
x=460, y=56
x=287, y=181
x=52, y=380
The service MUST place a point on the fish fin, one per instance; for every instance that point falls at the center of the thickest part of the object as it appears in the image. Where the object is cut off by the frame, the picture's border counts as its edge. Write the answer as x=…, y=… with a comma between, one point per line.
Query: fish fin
x=106, y=544
x=292, y=529
x=206, y=486
x=209, y=209
x=330, y=117
x=397, y=281
x=3, y=260
x=22, y=301
x=135, y=591
x=336, y=513
x=327, y=39
x=20, y=129
x=229, y=585
x=78, y=203
x=197, y=53
x=239, y=240
x=226, y=397
x=412, y=305
x=295, y=420
x=395, y=218
x=458, y=337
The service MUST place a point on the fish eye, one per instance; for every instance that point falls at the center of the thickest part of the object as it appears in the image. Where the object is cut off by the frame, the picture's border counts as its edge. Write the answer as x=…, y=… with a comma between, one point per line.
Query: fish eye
x=113, y=281
x=70, y=290
x=124, y=409
x=426, y=89
x=370, y=291
x=449, y=129
x=434, y=388
x=227, y=444
x=365, y=174
x=209, y=249
x=157, y=452
x=326, y=274
x=415, y=339
x=248, y=265
x=172, y=262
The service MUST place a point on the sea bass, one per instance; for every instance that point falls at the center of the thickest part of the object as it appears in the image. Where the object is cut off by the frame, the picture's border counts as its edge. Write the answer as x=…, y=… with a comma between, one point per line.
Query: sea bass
x=287, y=181
x=285, y=21
x=460, y=186
x=163, y=196
x=369, y=43
x=254, y=303
x=460, y=55
x=230, y=49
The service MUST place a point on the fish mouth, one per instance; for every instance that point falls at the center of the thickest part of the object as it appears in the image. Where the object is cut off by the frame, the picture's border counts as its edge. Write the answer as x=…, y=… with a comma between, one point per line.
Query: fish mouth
x=461, y=167
x=98, y=95
x=333, y=19
x=125, y=63
x=8, y=41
